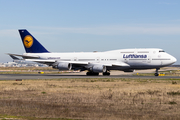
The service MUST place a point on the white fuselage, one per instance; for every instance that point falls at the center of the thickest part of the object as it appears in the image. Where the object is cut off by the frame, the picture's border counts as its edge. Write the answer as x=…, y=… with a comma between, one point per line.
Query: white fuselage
x=135, y=58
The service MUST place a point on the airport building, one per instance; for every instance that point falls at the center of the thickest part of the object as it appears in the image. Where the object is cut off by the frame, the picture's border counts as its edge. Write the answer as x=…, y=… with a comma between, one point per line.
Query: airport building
x=22, y=64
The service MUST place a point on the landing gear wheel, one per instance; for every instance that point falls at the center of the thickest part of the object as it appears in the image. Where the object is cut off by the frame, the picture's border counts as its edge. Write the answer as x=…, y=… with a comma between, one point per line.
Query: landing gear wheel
x=106, y=73
x=156, y=74
x=92, y=74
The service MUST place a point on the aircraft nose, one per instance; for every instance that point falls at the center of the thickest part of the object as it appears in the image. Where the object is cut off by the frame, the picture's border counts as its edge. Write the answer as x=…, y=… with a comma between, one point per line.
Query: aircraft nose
x=173, y=59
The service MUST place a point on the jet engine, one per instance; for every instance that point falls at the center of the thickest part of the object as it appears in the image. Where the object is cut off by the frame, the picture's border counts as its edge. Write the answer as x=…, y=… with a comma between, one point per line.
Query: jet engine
x=64, y=66
x=98, y=68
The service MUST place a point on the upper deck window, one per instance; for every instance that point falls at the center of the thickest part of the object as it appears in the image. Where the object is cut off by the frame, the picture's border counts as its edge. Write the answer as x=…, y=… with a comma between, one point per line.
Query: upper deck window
x=161, y=51
x=128, y=52
x=143, y=51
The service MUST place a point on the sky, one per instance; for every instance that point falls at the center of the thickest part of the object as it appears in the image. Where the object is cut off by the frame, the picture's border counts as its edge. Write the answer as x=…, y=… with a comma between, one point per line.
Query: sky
x=91, y=25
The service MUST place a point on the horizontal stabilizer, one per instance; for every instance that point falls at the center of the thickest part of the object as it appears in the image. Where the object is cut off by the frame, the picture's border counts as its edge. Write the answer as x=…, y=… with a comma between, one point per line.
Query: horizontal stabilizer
x=24, y=56
x=14, y=57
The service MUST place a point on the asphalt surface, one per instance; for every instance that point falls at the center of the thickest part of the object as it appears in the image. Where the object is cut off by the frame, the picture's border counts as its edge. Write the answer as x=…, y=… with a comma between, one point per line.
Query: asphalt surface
x=71, y=75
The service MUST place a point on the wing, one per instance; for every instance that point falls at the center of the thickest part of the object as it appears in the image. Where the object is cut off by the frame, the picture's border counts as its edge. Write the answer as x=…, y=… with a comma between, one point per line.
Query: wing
x=77, y=64
x=51, y=62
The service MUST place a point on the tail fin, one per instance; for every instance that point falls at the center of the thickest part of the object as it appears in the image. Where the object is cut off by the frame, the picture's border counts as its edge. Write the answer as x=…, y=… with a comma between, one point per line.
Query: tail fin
x=30, y=43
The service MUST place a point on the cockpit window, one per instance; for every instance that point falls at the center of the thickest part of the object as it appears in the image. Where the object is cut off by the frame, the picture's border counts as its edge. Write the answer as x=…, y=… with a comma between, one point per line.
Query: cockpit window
x=161, y=51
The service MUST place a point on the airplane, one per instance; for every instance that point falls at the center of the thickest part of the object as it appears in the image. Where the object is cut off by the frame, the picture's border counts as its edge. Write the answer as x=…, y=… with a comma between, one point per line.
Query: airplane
x=126, y=60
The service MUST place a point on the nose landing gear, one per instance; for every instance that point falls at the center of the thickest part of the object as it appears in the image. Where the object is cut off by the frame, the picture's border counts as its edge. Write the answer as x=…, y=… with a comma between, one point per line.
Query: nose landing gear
x=156, y=74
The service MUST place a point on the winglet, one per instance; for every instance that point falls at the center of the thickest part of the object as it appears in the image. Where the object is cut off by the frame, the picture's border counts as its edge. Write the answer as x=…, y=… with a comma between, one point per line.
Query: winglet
x=30, y=43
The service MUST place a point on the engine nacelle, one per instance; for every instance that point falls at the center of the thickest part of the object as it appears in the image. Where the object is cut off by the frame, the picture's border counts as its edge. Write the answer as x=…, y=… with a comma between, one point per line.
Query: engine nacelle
x=98, y=68
x=64, y=66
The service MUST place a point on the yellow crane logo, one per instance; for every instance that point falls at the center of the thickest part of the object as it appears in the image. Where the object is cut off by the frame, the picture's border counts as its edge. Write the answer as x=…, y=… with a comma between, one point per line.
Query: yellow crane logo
x=28, y=41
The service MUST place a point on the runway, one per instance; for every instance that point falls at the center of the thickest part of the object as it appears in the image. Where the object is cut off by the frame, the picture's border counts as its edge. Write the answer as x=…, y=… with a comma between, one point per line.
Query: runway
x=56, y=76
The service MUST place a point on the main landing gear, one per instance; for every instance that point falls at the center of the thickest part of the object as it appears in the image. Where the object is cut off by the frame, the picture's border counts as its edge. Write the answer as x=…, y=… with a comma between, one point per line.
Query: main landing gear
x=106, y=73
x=92, y=73
x=156, y=74
x=96, y=74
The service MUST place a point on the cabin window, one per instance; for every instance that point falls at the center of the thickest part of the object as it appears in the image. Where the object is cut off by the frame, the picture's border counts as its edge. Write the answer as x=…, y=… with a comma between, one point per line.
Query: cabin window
x=113, y=59
x=87, y=59
x=161, y=51
x=161, y=59
x=128, y=52
x=143, y=51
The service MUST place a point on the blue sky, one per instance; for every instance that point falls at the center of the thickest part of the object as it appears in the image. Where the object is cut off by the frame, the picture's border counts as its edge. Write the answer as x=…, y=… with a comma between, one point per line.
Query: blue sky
x=91, y=25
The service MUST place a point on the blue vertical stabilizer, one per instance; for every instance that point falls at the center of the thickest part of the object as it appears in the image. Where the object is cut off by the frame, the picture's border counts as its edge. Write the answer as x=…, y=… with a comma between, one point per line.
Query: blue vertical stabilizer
x=30, y=43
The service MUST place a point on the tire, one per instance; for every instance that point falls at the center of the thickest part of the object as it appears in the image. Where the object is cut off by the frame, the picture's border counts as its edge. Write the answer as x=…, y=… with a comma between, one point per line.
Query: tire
x=106, y=73
x=156, y=74
x=92, y=74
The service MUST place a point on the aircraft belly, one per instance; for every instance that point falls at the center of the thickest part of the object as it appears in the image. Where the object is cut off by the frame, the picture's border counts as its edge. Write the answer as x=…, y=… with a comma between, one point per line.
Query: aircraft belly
x=116, y=68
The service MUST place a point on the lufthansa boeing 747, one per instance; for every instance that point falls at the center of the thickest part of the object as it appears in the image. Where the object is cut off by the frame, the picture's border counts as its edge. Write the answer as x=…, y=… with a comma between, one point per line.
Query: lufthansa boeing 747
x=126, y=60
